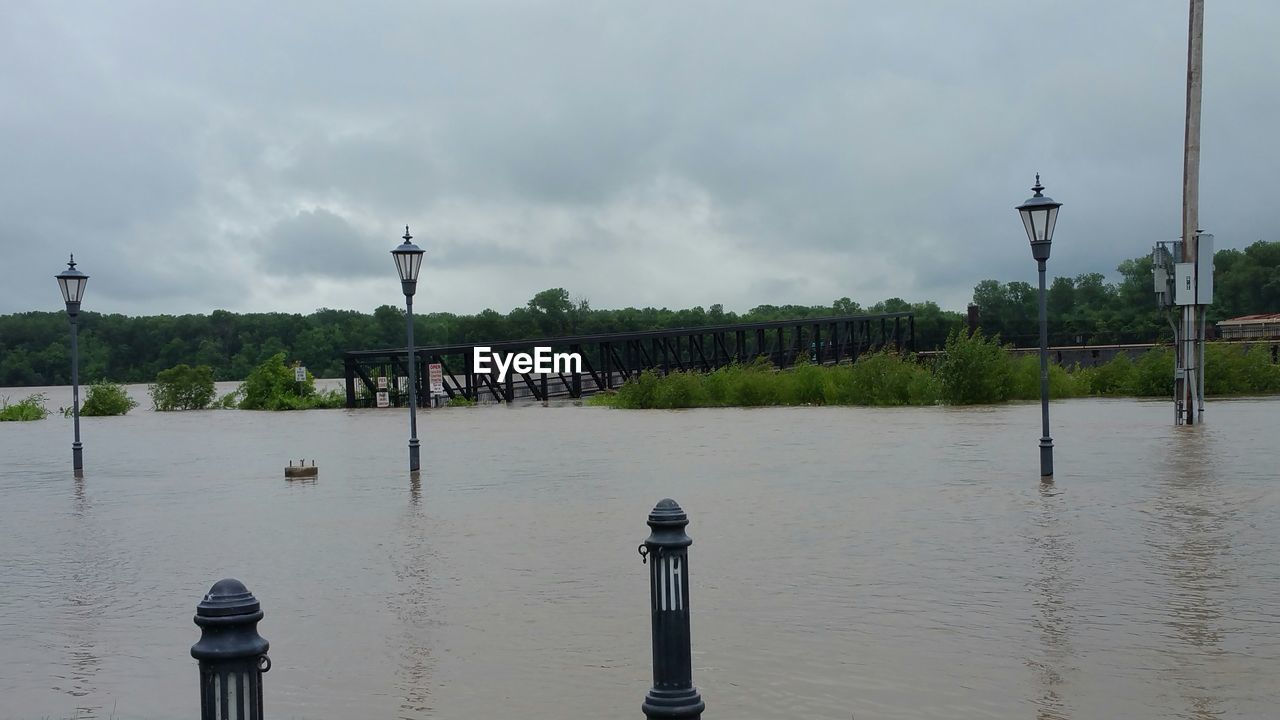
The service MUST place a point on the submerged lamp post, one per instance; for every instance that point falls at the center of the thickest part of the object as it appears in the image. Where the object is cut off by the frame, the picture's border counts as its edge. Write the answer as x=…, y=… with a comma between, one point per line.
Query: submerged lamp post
x=1039, y=215
x=673, y=695
x=232, y=655
x=72, y=282
x=408, y=261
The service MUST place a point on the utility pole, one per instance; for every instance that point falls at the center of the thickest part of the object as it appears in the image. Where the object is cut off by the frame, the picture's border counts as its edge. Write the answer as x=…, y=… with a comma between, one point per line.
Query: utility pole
x=1189, y=384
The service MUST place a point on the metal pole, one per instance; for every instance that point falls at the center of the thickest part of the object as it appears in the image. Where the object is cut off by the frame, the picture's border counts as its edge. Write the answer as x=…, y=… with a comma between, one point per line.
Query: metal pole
x=413, y=392
x=77, y=455
x=673, y=696
x=1046, y=442
x=1191, y=202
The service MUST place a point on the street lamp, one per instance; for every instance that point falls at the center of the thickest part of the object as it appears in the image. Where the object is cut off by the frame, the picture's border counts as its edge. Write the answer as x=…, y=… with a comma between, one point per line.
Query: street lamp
x=408, y=261
x=1039, y=215
x=72, y=282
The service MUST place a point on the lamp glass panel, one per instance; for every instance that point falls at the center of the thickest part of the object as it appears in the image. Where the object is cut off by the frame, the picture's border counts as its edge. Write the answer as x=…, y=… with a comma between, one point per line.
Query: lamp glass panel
x=415, y=264
x=1050, y=222
x=1026, y=221
x=402, y=263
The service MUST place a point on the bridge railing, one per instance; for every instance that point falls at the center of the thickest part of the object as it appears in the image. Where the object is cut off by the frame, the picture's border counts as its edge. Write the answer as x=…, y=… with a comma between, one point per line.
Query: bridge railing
x=607, y=360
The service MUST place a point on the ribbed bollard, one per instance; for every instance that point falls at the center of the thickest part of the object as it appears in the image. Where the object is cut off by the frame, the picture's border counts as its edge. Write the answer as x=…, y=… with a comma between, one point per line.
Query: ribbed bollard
x=232, y=655
x=667, y=548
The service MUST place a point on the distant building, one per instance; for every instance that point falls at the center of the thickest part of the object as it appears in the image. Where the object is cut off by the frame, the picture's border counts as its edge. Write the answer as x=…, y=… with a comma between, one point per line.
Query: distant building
x=1250, y=327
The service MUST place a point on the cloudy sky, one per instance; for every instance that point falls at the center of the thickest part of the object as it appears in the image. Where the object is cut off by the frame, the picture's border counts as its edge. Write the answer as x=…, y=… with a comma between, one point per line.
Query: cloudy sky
x=266, y=156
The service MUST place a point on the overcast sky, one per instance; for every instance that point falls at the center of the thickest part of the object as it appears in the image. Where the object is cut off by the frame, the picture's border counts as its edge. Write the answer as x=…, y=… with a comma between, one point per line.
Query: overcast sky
x=267, y=156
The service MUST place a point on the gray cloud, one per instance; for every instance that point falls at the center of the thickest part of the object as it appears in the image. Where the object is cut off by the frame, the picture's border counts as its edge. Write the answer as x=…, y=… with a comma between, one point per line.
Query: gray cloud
x=741, y=153
x=318, y=242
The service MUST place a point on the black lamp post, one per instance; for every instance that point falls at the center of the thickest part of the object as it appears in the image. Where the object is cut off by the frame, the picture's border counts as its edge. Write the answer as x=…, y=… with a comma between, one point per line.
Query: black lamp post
x=408, y=261
x=72, y=282
x=1039, y=216
x=673, y=695
x=232, y=655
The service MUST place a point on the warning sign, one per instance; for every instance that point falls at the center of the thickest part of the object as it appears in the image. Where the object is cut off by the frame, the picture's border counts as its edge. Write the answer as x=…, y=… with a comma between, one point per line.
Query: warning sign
x=435, y=372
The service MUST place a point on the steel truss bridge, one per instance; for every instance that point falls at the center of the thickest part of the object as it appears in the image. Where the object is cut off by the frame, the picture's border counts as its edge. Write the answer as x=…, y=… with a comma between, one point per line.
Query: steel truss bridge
x=608, y=360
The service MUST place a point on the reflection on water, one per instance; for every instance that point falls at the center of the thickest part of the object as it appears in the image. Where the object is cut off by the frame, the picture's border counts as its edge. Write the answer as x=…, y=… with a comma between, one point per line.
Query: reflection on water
x=414, y=605
x=1192, y=547
x=896, y=564
x=1054, y=553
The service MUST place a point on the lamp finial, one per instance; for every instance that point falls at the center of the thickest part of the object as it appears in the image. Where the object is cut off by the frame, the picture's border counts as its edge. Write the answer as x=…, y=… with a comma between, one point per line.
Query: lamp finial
x=1039, y=189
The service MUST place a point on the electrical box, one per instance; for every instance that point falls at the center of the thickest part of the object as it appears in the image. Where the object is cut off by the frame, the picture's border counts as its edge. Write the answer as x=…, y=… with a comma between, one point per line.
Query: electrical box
x=1162, y=271
x=1184, y=284
x=1204, y=280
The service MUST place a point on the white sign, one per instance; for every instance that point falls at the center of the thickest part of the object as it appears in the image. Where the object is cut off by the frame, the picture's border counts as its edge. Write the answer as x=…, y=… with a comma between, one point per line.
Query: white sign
x=383, y=400
x=541, y=361
x=436, y=373
x=382, y=383
x=299, y=374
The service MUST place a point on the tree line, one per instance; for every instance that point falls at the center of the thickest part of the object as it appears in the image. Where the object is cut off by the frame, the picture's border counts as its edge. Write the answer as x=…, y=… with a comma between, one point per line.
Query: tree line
x=35, y=349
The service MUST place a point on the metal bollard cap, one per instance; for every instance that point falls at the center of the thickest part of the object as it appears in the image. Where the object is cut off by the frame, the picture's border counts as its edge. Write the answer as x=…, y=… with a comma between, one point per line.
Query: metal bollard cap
x=668, y=522
x=228, y=597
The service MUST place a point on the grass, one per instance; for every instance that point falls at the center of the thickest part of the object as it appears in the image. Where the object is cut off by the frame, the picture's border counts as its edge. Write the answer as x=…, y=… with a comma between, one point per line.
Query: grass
x=973, y=370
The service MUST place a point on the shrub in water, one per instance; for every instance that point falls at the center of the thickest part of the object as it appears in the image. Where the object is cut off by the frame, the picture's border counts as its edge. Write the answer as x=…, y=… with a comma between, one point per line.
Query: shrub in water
x=974, y=370
x=107, y=398
x=1260, y=374
x=1114, y=377
x=882, y=378
x=183, y=388
x=805, y=384
x=1153, y=374
x=753, y=385
x=271, y=386
x=30, y=408
x=679, y=390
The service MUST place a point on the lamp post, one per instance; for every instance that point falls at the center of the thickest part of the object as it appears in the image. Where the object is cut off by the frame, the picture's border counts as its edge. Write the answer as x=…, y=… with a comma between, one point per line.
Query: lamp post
x=1039, y=215
x=408, y=261
x=72, y=282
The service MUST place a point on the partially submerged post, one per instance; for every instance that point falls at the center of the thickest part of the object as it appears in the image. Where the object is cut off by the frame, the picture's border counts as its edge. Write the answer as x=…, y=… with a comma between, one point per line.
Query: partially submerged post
x=673, y=695
x=232, y=655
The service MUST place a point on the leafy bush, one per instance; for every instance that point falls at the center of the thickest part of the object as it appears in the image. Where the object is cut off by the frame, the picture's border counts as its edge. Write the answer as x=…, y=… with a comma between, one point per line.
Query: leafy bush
x=107, y=398
x=182, y=387
x=1153, y=374
x=753, y=385
x=460, y=401
x=30, y=408
x=1114, y=377
x=805, y=384
x=271, y=386
x=1231, y=370
x=974, y=370
x=882, y=378
x=1024, y=381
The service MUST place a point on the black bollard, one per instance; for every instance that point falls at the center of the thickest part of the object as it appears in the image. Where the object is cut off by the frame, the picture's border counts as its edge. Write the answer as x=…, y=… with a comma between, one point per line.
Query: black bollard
x=673, y=695
x=232, y=654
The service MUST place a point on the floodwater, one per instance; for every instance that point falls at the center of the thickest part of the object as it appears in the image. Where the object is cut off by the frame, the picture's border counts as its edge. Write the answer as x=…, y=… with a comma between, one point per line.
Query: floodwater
x=847, y=562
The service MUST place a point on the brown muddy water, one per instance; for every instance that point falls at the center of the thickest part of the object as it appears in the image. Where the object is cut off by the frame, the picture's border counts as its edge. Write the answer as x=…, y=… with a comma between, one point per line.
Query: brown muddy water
x=847, y=562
